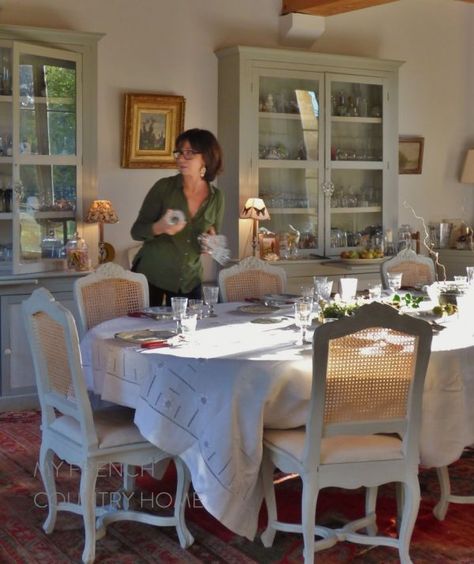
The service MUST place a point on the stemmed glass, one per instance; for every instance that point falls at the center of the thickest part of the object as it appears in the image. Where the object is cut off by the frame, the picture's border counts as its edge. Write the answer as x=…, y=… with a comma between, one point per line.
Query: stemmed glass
x=211, y=295
x=179, y=305
x=303, y=310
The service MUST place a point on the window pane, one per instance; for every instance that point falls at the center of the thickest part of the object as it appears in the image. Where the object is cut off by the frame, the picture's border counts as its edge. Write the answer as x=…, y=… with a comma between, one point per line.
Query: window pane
x=47, y=106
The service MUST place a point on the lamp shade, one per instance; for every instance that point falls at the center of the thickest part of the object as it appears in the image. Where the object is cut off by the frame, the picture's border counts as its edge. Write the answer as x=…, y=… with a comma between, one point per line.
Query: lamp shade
x=467, y=176
x=254, y=208
x=101, y=211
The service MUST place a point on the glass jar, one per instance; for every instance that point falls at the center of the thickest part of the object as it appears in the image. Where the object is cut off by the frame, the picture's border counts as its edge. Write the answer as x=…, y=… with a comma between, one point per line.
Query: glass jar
x=77, y=254
x=404, y=237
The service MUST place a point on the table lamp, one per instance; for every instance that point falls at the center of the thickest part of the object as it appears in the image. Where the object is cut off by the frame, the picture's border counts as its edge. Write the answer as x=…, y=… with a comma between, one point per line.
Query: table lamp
x=102, y=211
x=256, y=210
x=467, y=176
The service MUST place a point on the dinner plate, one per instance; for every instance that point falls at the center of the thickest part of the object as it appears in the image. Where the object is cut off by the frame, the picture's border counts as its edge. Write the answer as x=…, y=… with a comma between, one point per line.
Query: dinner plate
x=144, y=335
x=267, y=320
x=281, y=298
x=257, y=309
x=363, y=261
x=159, y=312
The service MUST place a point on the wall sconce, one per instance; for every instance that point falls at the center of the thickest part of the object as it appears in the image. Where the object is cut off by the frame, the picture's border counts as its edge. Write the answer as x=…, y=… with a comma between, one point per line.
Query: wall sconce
x=256, y=210
x=102, y=211
x=467, y=176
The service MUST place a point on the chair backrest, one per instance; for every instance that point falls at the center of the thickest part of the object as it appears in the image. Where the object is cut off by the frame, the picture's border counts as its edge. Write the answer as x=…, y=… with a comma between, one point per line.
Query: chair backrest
x=54, y=344
x=368, y=376
x=110, y=291
x=251, y=278
x=417, y=270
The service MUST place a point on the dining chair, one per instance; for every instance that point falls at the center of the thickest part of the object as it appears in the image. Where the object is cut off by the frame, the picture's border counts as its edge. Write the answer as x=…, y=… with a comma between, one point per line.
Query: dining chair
x=362, y=426
x=417, y=270
x=251, y=278
x=110, y=291
x=89, y=440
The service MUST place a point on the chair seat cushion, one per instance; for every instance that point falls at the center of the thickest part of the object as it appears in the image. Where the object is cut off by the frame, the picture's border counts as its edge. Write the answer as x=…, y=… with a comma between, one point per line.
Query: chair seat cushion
x=338, y=449
x=114, y=427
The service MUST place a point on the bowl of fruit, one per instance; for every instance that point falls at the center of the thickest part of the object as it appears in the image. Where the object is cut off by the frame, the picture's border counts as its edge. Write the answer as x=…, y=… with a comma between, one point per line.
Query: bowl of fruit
x=362, y=256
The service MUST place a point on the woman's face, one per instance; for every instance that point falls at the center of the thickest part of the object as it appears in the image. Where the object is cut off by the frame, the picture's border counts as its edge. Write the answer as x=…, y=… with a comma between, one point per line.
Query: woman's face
x=193, y=164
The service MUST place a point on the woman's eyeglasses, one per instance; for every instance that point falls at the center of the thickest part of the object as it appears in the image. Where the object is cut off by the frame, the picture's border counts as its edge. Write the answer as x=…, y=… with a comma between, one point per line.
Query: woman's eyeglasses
x=186, y=153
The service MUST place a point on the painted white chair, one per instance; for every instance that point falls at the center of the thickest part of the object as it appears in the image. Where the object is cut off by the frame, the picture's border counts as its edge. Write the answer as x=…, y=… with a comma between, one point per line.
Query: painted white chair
x=110, y=291
x=251, y=278
x=81, y=437
x=362, y=427
x=417, y=270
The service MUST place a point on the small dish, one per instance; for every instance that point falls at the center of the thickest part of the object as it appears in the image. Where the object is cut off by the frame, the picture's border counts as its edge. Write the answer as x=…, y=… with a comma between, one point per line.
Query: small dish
x=266, y=320
x=276, y=299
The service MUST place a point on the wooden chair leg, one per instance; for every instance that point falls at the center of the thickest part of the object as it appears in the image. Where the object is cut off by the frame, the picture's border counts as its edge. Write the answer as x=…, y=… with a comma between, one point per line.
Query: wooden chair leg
x=47, y=475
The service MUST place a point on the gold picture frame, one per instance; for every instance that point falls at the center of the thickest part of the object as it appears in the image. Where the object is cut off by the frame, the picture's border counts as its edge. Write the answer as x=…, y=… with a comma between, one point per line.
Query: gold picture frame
x=410, y=154
x=151, y=124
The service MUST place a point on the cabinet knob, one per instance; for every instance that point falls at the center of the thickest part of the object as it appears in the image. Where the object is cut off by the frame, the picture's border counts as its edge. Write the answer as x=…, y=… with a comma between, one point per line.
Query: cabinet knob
x=7, y=352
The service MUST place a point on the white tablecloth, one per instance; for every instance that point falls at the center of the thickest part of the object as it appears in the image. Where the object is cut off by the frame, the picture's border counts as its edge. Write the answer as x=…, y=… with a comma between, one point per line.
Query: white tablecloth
x=209, y=401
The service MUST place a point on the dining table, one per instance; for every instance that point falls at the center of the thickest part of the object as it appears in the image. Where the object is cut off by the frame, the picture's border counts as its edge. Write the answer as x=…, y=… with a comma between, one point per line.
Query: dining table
x=208, y=400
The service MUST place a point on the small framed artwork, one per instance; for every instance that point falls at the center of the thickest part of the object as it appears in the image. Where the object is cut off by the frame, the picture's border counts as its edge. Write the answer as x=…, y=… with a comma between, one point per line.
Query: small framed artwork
x=151, y=124
x=410, y=154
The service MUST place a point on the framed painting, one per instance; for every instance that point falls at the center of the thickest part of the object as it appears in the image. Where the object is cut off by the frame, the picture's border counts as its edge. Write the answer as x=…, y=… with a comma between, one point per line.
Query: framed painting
x=151, y=124
x=410, y=154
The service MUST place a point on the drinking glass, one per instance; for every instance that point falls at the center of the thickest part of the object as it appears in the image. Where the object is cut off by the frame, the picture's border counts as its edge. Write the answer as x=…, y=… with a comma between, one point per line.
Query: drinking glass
x=322, y=288
x=195, y=306
x=460, y=280
x=348, y=288
x=375, y=290
x=394, y=281
x=188, y=326
x=211, y=295
x=303, y=310
x=179, y=305
x=470, y=274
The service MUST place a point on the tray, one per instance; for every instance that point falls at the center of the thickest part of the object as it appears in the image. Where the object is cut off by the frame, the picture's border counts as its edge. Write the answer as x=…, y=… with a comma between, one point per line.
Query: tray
x=363, y=261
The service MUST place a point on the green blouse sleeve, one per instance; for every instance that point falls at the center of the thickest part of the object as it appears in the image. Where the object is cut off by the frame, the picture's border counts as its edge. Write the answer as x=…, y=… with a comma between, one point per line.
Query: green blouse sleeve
x=152, y=209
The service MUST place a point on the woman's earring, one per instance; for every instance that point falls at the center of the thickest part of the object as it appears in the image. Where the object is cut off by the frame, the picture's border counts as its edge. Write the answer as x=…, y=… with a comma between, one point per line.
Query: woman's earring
x=202, y=172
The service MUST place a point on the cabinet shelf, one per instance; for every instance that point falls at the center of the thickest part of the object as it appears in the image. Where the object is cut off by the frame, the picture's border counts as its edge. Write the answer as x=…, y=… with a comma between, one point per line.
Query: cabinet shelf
x=365, y=209
x=50, y=214
x=6, y=160
x=5, y=216
x=358, y=165
x=293, y=211
x=279, y=115
x=354, y=119
x=287, y=163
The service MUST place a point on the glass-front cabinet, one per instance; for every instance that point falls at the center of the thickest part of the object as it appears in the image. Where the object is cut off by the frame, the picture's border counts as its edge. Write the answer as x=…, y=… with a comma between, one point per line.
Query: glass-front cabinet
x=314, y=136
x=42, y=98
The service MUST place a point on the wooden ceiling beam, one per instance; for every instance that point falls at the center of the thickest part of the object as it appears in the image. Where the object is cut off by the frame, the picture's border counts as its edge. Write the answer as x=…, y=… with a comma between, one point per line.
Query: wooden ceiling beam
x=329, y=7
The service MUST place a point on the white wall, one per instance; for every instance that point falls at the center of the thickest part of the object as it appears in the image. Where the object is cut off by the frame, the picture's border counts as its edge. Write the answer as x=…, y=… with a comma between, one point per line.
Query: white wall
x=167, y=46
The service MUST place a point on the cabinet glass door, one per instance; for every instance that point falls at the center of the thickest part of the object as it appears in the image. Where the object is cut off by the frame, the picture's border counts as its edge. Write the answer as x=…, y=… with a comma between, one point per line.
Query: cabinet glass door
x=290, y=160
x=46, y=154
x=355, y=159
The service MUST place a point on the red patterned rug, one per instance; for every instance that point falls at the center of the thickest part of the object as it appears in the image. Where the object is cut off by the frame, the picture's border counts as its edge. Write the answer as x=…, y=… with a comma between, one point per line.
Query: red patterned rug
x=22, y=512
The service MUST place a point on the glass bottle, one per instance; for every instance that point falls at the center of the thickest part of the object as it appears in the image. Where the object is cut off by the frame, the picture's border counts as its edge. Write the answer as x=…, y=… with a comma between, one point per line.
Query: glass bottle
x=77, y=254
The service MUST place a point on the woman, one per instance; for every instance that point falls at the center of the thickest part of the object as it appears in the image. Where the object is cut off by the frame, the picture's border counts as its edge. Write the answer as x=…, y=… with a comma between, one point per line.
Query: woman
x=170, y=255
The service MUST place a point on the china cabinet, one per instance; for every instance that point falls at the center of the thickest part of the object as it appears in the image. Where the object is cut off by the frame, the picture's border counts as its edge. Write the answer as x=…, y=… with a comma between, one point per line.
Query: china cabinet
x=316, y=137
x=48, y=148
x=47, y=115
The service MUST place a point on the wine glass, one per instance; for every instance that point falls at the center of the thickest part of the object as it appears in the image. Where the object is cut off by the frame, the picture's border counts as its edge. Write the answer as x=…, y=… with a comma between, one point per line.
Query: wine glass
x=303, y=310
x=394, y=281
x=211, y=295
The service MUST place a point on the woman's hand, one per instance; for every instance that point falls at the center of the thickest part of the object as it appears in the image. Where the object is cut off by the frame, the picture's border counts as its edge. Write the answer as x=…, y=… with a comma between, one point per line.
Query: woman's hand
x=164, y=226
